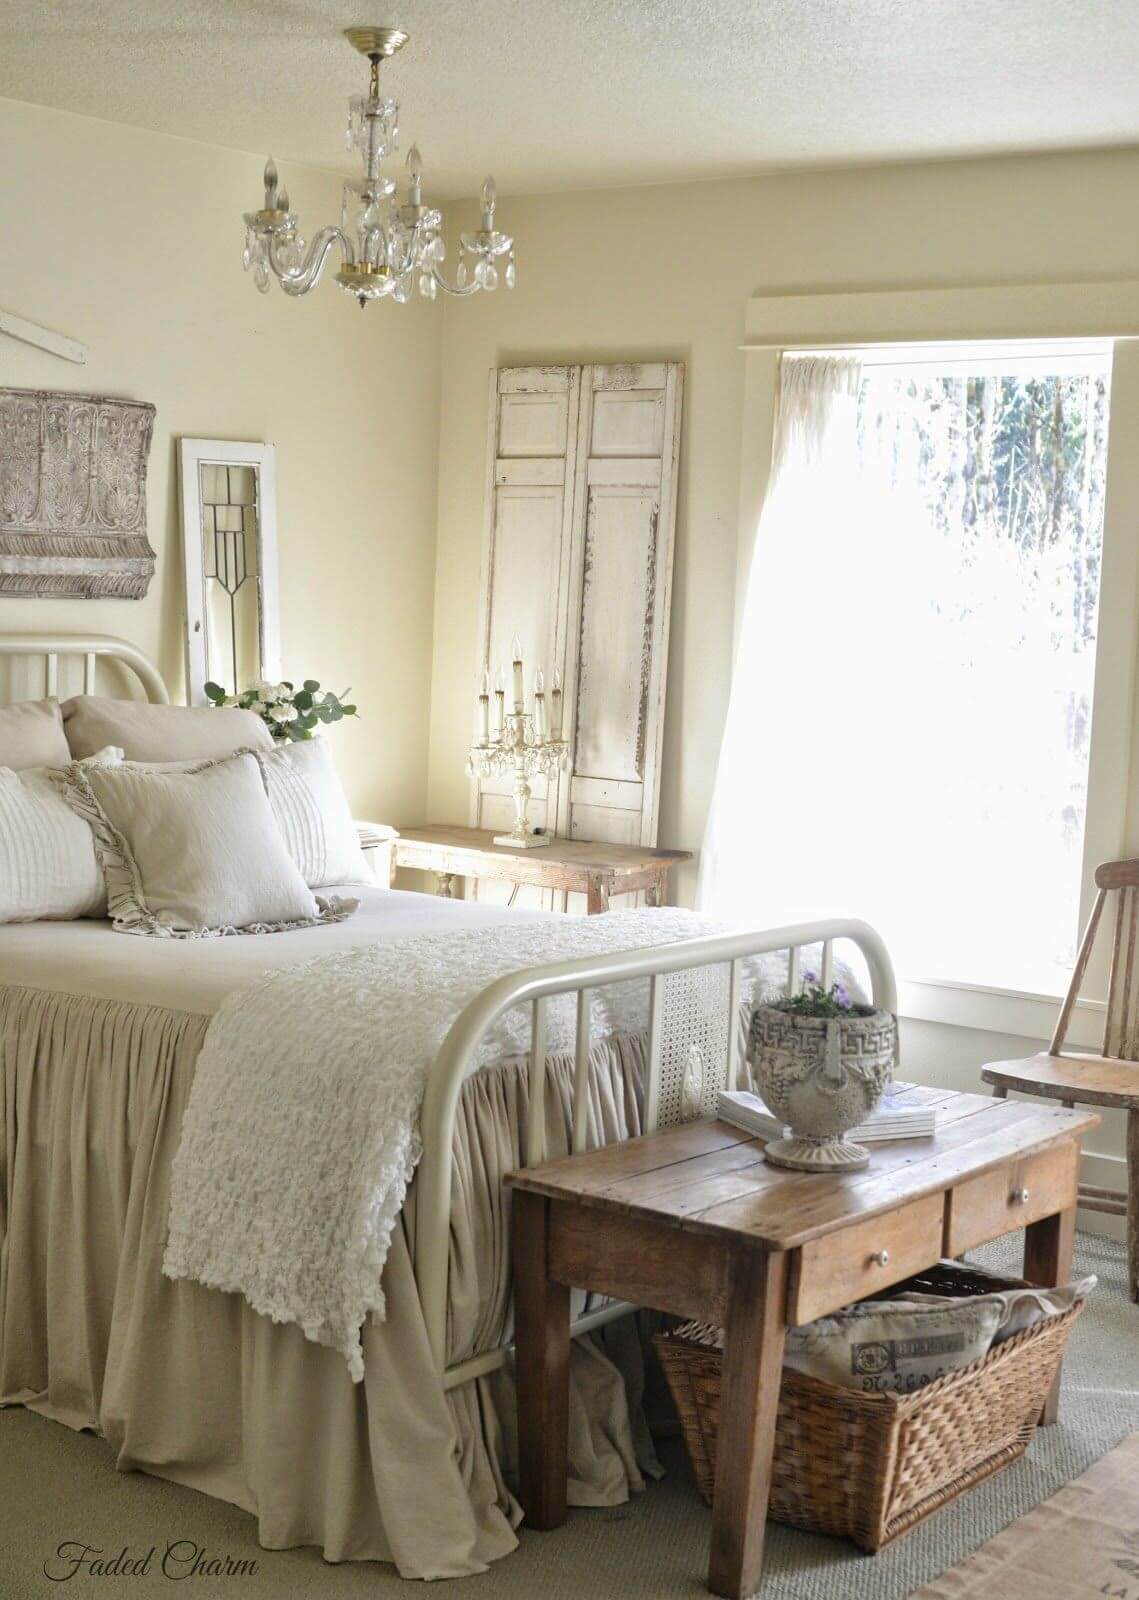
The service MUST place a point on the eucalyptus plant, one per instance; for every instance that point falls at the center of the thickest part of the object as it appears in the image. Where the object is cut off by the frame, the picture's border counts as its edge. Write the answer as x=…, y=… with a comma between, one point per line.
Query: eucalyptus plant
x=288, y=712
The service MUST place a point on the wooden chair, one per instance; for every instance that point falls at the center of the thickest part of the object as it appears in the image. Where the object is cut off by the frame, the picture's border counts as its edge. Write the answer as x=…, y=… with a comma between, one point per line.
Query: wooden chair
x=1110, y=1079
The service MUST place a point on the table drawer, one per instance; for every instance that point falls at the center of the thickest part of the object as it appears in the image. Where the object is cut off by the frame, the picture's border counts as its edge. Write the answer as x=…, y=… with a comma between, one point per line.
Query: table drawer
x=853, y=1262
x=1010, y=1197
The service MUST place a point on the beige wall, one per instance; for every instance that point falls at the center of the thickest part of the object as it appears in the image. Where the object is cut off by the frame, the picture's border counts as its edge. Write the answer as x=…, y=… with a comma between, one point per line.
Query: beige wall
x=131, y=243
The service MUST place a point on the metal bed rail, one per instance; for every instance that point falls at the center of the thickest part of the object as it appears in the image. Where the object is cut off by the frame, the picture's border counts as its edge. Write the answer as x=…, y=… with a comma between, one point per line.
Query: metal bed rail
x=535, y=986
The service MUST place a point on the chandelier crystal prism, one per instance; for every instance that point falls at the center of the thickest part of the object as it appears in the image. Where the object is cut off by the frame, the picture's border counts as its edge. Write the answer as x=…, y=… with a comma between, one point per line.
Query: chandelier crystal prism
x=387, y=249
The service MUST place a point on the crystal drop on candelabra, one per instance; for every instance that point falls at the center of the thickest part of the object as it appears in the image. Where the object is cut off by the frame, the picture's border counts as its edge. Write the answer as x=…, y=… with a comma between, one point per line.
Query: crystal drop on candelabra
x=509, y=274
x=427, y=286
x=480, y=274
x=247, y=254
x=461, y=275
x=261, y=277
x=490, y=275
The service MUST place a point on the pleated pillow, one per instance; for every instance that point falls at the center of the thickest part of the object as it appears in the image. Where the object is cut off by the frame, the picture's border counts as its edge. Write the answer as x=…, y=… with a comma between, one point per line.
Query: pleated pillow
x=313, y=813
x=193, y=853
x=48, y=868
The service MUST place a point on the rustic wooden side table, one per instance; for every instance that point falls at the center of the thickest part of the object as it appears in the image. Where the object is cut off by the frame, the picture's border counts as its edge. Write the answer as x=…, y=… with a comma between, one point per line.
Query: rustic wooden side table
x=575, y=865
x=693, y=1221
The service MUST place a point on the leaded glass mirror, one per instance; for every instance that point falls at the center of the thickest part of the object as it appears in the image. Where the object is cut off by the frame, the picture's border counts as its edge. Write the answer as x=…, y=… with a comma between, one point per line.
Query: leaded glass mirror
x=229, y=537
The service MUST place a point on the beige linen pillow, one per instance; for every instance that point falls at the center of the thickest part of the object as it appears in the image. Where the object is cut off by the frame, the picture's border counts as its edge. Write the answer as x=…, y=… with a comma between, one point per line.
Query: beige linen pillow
x=31, y=735
x=159, y=733
x=195, y=853
x=313, y=813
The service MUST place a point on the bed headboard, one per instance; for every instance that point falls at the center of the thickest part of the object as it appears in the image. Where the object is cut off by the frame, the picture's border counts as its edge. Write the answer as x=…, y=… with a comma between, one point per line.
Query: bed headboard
x=54, y=647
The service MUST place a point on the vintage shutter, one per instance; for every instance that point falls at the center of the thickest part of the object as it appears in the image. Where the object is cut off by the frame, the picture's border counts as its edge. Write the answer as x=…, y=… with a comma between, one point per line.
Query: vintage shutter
x=577, y=559
x=624, y=525
x=527, y=546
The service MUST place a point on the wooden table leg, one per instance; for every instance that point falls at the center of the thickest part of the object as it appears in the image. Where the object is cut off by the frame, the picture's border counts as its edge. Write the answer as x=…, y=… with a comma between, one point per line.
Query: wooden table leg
x=753, y=1366
x=1048, y=1262
x=445, y=885
x=596, y=895
x=541, y=1366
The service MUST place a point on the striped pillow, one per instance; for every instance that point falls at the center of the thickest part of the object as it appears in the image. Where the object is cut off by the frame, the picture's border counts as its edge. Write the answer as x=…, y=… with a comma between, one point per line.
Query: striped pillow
x=313, y=813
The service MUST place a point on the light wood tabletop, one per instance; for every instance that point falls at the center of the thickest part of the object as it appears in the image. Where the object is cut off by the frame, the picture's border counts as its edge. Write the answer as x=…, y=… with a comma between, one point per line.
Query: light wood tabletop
x=581, y=866
x=691, y=1220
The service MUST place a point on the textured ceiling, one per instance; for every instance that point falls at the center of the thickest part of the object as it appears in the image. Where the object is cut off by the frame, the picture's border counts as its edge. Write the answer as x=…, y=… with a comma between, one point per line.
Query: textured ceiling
x=581, y=93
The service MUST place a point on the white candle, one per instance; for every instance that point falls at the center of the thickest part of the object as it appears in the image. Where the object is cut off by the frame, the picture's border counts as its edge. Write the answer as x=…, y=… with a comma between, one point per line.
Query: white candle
x=484, y=709
x=539, y=705
x=499, y=703
x=517, y=673
x=556, y=707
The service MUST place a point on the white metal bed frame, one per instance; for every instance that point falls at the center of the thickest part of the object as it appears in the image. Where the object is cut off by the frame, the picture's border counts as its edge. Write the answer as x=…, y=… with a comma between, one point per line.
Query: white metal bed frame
x=535, y=987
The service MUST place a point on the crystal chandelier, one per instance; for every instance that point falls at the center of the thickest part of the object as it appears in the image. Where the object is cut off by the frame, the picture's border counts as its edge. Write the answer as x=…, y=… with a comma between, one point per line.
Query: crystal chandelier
x=385, y=248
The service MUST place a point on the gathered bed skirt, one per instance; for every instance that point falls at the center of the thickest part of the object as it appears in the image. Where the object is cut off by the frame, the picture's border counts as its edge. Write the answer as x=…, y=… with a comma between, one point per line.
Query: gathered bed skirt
x=193, y=1385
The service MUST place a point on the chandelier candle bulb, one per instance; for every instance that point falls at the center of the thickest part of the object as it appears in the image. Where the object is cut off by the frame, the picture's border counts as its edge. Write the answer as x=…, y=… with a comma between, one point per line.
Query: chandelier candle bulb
x=517, y=653
x=484, y=709
x=556, y=706
x=539, y=705
x=499, y=704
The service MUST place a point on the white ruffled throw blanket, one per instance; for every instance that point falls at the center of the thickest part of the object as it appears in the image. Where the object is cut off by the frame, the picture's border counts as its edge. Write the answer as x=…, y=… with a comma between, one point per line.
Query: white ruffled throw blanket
x=301, y=1133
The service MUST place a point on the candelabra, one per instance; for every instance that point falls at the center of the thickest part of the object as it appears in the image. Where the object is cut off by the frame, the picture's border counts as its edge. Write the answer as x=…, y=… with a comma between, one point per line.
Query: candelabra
x=521, y=745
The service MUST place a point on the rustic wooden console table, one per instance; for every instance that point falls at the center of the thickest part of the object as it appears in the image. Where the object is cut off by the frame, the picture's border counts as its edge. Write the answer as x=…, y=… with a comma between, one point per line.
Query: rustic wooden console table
x=692, y=1221
x=575, y=865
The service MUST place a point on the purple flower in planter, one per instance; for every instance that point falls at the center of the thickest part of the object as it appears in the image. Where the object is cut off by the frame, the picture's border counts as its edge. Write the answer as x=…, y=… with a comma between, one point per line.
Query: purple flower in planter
x=842, y=996
x=810, y=977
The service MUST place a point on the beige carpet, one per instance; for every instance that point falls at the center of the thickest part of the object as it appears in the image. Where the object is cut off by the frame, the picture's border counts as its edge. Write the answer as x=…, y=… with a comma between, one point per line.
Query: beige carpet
x=57, y=1486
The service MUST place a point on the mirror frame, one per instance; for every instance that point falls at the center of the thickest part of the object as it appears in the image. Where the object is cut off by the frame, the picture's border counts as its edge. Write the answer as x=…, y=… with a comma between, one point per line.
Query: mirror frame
x=192, y=454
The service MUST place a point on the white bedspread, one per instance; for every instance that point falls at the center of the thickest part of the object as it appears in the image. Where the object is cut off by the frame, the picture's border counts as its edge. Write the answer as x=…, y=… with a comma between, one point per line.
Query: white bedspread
x=301, y=1133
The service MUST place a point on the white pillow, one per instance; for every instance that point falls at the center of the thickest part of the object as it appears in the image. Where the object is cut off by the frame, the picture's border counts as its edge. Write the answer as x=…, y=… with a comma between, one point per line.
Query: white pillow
x=193, y=853
x=47, y=855
x=313, y=813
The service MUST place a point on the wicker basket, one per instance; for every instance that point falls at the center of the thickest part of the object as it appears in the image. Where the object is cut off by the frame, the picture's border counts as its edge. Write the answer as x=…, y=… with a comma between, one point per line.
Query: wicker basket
x=871, y=1466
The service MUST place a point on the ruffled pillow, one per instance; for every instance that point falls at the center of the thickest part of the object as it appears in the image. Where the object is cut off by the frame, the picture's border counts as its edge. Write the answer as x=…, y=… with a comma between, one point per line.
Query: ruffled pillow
x=193, y=852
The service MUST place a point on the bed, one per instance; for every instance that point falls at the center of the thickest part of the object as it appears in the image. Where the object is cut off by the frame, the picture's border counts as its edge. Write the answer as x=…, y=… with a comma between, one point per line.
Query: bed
x=99, y=1036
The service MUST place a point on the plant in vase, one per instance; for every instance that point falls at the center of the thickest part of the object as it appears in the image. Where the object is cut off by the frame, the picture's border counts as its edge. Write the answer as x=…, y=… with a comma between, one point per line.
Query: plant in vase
x=821, y=1061
x=288, y=712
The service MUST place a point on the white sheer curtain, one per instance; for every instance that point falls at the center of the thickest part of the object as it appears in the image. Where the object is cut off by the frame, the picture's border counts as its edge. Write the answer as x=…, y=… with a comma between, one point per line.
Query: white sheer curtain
x=793, y=737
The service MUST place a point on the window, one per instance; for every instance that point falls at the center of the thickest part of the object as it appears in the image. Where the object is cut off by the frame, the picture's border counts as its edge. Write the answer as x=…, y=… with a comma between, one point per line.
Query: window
x=926, y=584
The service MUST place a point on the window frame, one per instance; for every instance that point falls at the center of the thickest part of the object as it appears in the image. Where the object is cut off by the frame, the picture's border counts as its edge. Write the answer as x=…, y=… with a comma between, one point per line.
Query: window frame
x=931, y=323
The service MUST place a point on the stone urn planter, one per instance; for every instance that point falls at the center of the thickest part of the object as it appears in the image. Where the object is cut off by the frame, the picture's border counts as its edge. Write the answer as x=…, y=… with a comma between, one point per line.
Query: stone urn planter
x=822, y=1074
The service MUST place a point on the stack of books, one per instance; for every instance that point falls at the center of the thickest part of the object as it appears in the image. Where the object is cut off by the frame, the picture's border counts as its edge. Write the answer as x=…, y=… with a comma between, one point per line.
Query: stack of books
x=888, y=1121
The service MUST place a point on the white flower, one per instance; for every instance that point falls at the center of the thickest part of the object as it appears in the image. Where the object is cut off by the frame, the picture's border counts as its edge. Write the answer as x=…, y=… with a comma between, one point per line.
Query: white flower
x=284, y=713
x=267, y=690
x=281, y=691
x=258, y=707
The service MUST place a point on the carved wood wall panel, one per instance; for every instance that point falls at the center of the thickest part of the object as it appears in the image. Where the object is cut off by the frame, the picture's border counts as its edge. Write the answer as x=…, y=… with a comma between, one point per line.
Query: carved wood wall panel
x=580, y=522
x=73, y=495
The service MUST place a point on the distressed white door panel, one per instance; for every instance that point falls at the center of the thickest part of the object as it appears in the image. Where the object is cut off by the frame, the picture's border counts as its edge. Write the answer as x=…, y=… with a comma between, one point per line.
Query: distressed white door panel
x=533, y=424
x=522, y=472
x=607, y=792
x=626, y=472
x=616, y=634
x=628, y=422
x=535, y=380
x=631, y=375
x=613, y=827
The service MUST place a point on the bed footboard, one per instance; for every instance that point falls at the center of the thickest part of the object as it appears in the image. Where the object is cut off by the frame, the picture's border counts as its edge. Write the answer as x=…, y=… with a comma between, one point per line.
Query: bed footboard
x=535, y=986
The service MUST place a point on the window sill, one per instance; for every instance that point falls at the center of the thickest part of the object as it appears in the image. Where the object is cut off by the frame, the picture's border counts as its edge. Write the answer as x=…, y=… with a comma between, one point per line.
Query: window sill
x=1012, y=1011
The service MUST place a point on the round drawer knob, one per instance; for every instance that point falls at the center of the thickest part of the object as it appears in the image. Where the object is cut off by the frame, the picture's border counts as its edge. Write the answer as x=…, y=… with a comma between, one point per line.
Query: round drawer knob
x=881, y=1258
x=1020, y=1196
